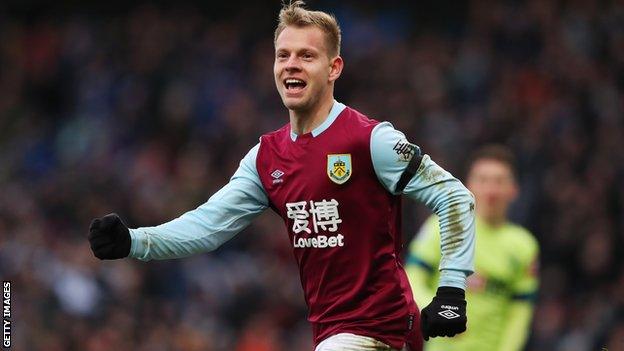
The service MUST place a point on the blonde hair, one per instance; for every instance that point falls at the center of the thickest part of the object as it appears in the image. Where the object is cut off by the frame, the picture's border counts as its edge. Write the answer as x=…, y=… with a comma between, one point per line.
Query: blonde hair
x=293, y=13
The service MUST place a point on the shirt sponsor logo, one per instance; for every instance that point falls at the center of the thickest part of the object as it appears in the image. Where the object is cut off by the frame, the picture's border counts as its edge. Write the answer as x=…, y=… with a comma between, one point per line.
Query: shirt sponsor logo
x=324, y=217
x=320, y=241
x=339, y=168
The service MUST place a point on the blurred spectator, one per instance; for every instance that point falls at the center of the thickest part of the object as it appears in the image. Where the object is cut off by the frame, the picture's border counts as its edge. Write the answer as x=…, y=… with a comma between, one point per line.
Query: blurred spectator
x=500, y=293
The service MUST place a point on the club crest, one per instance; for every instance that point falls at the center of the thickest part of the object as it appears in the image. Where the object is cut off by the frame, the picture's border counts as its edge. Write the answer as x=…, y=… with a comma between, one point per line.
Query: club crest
x=339, y=168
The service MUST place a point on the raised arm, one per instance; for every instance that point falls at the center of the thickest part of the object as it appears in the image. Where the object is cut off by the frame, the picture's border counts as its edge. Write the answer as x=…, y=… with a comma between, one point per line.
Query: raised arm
x=205, y=228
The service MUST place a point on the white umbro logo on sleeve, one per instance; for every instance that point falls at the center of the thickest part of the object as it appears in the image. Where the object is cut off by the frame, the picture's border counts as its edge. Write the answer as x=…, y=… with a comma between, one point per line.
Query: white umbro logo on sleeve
x=277, y=174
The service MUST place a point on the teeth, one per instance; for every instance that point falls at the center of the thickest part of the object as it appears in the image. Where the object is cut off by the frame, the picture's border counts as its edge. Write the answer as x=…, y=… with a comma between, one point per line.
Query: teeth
x=294, y=81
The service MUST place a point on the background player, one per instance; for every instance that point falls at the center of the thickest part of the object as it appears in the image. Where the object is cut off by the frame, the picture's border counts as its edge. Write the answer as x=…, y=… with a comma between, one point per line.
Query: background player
x=501, y=291
x=334, y=176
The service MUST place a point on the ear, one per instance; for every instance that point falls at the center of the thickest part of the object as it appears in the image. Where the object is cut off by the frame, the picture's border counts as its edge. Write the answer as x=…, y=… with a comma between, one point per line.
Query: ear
x=335, y=68
x=514, y=191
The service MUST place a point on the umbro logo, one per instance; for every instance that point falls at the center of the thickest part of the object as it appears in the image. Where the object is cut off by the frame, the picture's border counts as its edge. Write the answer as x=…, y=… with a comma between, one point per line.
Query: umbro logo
x=448, y=314
x=277, y=175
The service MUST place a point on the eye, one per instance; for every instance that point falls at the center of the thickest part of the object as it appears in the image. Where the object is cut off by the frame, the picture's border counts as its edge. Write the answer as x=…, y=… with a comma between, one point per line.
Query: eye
x=282, y=55
x=307, y=56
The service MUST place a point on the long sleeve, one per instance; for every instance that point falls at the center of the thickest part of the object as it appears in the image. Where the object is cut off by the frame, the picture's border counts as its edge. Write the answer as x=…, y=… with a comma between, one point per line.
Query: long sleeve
x=437, y=189
x=226, y=213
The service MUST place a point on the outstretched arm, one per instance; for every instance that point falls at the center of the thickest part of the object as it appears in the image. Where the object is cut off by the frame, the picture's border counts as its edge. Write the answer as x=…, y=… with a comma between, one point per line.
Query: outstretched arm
x=205, y=228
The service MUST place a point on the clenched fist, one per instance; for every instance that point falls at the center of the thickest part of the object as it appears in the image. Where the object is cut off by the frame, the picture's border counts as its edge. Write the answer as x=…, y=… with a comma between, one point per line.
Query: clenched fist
x=109, y=237
x=445, y=315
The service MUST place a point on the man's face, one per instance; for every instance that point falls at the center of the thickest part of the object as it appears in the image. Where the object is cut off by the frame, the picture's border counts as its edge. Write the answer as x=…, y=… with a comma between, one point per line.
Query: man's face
x=303, y=70
x=493, y=184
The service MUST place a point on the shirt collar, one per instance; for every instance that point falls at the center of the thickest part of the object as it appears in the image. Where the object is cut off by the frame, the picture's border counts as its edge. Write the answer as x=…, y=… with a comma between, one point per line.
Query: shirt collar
x=336, y=109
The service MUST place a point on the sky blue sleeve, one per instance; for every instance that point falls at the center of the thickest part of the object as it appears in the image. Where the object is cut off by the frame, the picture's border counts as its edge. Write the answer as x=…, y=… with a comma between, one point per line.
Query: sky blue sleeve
x=439, y=190
x=205, y=228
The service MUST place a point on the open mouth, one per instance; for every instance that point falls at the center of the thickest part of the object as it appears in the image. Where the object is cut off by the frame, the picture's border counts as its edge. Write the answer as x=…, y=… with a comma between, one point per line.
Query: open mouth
x=294, y=85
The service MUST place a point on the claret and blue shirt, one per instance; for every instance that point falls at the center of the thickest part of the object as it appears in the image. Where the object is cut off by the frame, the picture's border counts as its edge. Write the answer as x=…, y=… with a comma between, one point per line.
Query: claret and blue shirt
x=335, y=190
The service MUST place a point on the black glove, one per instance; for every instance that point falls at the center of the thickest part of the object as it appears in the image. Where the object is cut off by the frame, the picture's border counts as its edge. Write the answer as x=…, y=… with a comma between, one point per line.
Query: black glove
x=109, y=237
x=445, y=315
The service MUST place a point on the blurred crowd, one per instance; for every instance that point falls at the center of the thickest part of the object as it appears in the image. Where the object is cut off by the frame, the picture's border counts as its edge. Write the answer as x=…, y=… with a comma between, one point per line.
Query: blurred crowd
x=146, y=112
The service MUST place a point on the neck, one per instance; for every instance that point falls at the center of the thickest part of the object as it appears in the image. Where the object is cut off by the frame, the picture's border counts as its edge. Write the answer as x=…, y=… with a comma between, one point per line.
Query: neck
x=304, y=121
x=493, y=220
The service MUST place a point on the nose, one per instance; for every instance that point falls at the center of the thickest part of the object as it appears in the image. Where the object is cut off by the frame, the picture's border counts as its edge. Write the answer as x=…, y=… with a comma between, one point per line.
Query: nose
x=293, y=64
